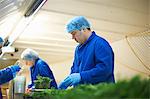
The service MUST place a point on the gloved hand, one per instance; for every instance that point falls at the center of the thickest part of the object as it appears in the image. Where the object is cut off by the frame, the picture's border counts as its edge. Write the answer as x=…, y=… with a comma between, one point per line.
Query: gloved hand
x=72, y=79
x=15, y=68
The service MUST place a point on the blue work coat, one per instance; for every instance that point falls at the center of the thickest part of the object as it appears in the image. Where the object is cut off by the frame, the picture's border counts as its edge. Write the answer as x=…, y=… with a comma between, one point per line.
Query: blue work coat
x=41, y=68
x=5, y=76
x=1, y=97
x=94, y=60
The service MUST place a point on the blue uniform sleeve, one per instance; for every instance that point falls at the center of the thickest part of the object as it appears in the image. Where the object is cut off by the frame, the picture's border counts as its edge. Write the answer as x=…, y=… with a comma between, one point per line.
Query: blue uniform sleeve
x=5, y=75
x=45, y=71
x=72, y=69
x=1, y=97
x=30, y=85
x=104, y=64
x=75, y=58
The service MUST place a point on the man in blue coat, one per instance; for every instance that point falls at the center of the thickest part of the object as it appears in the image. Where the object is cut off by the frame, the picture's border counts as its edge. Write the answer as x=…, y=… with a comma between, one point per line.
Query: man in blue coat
x=93, y=59
x=8, y=74
x=1, y=44
x=37, y=67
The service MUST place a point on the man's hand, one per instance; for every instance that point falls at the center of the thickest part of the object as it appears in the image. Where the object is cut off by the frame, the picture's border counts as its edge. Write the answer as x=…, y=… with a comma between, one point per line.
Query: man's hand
x=28, y=90
x=72, y=79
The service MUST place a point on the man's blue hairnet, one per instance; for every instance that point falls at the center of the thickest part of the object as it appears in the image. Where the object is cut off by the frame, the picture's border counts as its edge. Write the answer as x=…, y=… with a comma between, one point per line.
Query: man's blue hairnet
x=77, y=23
x=1, y=40
x=29, y=54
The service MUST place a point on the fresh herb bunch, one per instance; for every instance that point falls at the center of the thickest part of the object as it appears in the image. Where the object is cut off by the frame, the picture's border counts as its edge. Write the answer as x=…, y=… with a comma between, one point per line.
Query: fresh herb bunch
x=134, y=88
x=42, y=82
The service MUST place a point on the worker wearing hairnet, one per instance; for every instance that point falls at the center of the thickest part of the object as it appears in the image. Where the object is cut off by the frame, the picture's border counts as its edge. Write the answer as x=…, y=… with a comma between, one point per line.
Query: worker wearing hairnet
x=8, y=74
x=37, y=67
x=93, y=59
x=1, y=44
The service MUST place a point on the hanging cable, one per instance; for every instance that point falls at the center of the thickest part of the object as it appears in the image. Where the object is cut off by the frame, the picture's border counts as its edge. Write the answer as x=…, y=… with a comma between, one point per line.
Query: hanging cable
x=136, y=54
x=129, y=67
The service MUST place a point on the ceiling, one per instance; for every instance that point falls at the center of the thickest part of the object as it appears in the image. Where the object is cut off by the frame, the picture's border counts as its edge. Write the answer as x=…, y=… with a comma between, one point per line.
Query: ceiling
x=111, y=19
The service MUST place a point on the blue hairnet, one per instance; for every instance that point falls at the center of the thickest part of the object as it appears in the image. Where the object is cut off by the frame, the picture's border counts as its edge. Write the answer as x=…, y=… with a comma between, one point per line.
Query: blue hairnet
x=77, y=23
x=29, y=55
x=1, y=40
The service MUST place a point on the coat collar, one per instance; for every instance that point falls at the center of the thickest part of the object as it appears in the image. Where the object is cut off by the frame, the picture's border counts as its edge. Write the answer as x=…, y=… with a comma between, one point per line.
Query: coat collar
x=88, y=40
x=34, y=64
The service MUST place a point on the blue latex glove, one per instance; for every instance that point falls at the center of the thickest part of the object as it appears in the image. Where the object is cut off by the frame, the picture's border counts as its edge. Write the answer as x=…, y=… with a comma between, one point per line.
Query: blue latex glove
x=15, y=69
x=72, y=79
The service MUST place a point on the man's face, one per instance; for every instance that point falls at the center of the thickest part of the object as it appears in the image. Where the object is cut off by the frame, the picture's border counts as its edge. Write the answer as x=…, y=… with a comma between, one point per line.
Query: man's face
x=1, y=45
x=28, y=63
x=78, y=36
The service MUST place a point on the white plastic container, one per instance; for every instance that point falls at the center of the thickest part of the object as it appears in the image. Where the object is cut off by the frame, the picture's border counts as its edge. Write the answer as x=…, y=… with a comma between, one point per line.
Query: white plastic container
x=19, y=84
